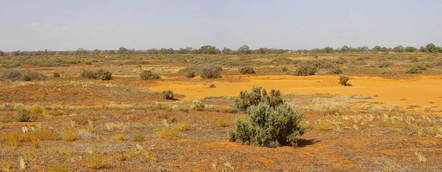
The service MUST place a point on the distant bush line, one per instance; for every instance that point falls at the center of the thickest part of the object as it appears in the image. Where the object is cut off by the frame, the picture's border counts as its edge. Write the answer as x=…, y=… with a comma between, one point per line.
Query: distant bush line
x=209, y=49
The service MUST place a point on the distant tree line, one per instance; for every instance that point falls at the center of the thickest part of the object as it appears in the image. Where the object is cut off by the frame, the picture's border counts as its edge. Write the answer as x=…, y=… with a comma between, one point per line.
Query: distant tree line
x=209, y=49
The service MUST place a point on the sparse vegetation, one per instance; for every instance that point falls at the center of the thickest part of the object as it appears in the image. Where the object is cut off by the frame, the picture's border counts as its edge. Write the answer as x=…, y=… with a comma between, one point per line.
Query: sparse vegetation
x=136, y=129
x=22, y=75
x=56, y=75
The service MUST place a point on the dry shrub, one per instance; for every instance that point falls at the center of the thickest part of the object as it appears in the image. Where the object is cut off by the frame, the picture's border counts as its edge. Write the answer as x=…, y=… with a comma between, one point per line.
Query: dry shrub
x=70, y=134
x=22, y=115
x=100, y=74
x=149, y=75
x=306, y=69
x=183, y=126
x=343, y=80
x=23, y=75
x=210, y=72
x=168, y=132
x=221, y=122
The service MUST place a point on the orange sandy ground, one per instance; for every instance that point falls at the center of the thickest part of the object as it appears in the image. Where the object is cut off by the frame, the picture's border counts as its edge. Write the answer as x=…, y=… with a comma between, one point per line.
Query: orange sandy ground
x=420, y=90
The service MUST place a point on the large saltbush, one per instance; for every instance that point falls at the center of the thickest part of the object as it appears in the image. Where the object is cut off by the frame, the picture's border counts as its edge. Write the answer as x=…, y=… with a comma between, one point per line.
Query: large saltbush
x=268, y=126
x=270, y=120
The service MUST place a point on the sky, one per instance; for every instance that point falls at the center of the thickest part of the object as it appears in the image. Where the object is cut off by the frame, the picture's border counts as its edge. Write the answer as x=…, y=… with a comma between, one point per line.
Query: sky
x=287, y=24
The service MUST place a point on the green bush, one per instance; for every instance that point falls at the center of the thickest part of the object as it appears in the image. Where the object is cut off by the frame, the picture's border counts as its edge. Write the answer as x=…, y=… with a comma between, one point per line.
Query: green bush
x=268, y=126
x=23, y=75
x=23, y=115
x=168, y=95
x=343, y=80
x=306, y=69
x=209, y=72
x=149, y=75
x=284, y=69
x=247, y=70
x=256, y=96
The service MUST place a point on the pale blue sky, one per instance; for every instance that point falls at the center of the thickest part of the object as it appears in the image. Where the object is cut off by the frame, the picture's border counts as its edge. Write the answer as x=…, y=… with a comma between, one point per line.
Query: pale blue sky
x=144, y=24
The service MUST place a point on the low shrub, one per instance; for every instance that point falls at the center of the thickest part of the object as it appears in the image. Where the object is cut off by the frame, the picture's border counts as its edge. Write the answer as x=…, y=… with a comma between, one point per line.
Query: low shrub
x=284, y=69
x=247, y=70
x=168, y=95
x=343, y=80
x=256, y=96
x=268, y=126
x=22, y=115
x=23, y=75
x=104, y=75
x=56, y=75
x=209, y=72
x=149, y=75
x=306, y=69
x=100, y=74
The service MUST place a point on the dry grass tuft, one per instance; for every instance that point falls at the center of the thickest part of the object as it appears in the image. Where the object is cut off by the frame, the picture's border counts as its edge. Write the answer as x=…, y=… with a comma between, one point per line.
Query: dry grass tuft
x=183, y=126
x=70, y=134
x=168, y=132
x=222, y=122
